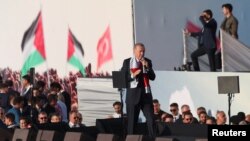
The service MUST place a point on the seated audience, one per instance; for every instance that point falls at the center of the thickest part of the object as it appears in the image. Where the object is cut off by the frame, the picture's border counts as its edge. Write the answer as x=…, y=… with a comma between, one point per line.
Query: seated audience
x=157, y=110
x=24, y=123
x=168, y=118
x=73, y=119
x=117, y=110
x=55, y=118
x=210, y=121
x=42, y=118
x=238, y=119
x=221, y=118
x=200, y=109
x=202, y=117
x=174, y=109
x=79, y=115
x=187, y=117
x=185, y=108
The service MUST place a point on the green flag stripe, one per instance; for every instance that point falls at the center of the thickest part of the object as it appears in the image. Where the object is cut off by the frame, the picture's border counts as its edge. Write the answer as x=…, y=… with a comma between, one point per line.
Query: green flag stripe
x=34, y=59
x=76, y=63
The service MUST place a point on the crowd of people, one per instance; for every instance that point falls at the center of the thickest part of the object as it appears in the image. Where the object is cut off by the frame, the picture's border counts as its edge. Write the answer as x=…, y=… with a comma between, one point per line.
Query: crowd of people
x=26, y=102
x=185, y=116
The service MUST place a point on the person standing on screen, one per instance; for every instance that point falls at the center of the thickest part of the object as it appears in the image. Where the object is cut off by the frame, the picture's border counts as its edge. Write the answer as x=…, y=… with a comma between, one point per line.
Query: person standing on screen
x=230, y=23
x=139, y=95
x=206, y=40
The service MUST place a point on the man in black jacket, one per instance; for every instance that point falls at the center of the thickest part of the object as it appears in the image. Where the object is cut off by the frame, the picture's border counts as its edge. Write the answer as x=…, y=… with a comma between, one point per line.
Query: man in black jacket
x=206, y=40
x=139, y=96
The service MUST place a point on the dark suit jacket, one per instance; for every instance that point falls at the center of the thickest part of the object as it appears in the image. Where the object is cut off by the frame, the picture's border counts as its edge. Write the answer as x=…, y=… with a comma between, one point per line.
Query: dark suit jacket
x=67, y=101
x=134, y=94
x=207, y=37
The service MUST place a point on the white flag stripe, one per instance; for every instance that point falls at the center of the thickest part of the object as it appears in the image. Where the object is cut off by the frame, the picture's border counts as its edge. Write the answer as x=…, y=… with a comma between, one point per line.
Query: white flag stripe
x=29, y=48
x=190, y=45
x=235, y=55
x=78, y=54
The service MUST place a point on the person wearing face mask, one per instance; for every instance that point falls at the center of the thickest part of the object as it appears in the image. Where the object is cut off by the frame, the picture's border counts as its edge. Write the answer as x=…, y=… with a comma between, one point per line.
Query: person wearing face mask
x=206, y=40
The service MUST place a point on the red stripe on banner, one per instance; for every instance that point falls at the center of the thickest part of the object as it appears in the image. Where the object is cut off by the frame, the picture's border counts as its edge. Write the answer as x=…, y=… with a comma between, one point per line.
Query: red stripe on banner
x=191, y=27
x=71, y=48
x=39, y=38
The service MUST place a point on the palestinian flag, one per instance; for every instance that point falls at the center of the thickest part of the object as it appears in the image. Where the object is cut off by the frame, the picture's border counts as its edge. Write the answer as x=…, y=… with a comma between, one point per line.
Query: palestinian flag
x=33, y=45
x=75, y=53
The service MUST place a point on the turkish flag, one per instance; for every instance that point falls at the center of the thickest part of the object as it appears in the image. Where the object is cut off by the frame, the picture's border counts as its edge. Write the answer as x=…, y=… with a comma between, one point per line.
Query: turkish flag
x=104, y=49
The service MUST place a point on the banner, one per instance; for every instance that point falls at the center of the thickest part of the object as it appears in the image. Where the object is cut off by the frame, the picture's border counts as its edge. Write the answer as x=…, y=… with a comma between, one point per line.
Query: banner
x=235, y=55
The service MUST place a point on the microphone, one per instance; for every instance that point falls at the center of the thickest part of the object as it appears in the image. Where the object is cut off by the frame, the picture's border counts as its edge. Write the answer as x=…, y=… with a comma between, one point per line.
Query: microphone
x=143, y=66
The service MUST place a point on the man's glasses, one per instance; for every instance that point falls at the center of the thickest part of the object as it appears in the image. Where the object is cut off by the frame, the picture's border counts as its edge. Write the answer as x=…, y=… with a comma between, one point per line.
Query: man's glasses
x=188, y=119
x=42, y=118
x=173, y=110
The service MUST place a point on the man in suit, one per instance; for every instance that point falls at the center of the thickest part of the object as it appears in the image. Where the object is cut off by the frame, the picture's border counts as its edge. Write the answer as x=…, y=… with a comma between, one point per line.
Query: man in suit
x=139, y=71
x=27, y=87
x=206, y=40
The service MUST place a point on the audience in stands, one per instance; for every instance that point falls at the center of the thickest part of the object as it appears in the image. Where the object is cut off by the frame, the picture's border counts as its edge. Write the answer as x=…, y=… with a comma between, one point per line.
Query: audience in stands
x=55, y=118
x=11, y=89
x=26, y=87
x=73, y=119
x=158, y=112
x=79, y=115
x=4, y=97
x=38, y=107
x=15, y=110
x=2, y=114
x=63, y=96
x=24, y=123
x=42, y=118
x=10, y=121
x=50, y=106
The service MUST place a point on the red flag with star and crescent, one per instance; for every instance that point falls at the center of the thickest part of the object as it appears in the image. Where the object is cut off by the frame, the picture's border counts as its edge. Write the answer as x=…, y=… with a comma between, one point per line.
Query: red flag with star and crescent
x=104, y=49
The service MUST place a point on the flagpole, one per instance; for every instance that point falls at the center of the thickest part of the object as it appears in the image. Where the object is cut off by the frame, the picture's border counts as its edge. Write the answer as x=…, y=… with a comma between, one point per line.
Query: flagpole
x=47, y=70
x=222, y=51
x=47, y=66
x=184, y=47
